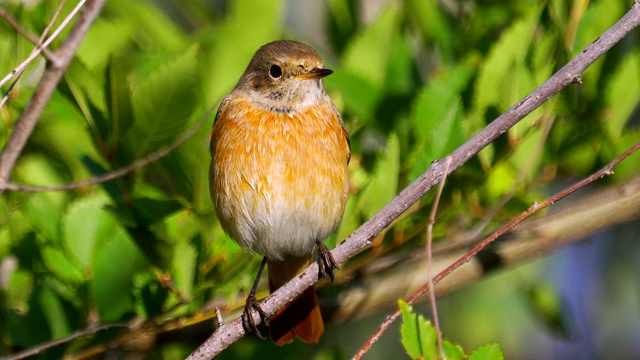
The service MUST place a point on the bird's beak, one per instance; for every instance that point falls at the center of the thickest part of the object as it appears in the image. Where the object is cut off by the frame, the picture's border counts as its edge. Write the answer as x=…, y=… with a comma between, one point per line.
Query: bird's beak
x=315, y=74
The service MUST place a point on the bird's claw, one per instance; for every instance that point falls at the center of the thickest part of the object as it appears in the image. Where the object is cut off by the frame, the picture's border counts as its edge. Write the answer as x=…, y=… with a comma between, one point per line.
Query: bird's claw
x=248, y=322
x=326, y=262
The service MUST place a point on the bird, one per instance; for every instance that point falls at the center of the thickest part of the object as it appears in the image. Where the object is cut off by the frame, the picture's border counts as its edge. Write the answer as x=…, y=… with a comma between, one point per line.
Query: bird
x=279, y=177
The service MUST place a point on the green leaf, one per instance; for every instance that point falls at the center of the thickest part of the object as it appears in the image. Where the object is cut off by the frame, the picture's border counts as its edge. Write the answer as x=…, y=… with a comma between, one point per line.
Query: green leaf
x=40, y=209
x=86, y=226
x=152, y=295
x=369, y=52
x=508, y=51
x=622, y=95
x=184, y=267
x=19, y=291
x=435, y=102
x=163, y=105
x=154, y=30
x=150, y=211
x=233, y=43
x=111, y=289
x=383, y=183
x=350, y=221
x=598, y=17
x=432, y=22
x=359, y=95
x=452, y=351
x=58, y=264
x=487, y=352
x=112, y=35
x=37, y=211
x=437, y=118
x=500, y=181
x=118, y=101
x=85, y=91
x=54, y=312
x=418, y=336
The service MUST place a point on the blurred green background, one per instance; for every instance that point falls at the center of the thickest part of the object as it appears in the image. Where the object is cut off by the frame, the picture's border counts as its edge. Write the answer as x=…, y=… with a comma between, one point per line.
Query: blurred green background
x=413, y=79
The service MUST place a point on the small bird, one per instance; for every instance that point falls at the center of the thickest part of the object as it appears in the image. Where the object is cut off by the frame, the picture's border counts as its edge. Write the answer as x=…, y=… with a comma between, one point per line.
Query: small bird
x=279, y=176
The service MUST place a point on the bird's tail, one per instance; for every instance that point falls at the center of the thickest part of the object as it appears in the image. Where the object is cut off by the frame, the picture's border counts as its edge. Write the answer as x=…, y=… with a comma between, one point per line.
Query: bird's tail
x=300, y=318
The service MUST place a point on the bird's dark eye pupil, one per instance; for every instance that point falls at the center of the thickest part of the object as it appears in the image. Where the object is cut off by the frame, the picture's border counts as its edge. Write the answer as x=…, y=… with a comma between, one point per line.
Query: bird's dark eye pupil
x=275, y=71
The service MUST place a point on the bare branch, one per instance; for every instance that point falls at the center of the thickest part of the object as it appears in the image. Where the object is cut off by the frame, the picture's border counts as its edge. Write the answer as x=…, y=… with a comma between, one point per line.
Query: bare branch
x=52, y=76
x=569, y=74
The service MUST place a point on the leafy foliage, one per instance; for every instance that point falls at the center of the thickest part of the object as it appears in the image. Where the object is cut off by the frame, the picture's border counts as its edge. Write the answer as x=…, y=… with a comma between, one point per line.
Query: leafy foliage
x=413, y=81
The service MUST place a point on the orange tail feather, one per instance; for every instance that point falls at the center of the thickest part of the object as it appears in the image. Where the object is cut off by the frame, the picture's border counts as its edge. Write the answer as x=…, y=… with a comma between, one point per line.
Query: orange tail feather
x=301, y=318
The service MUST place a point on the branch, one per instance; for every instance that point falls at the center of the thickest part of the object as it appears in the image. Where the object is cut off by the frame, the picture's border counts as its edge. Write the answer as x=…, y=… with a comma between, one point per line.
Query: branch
x=52, y=76
x=569, y=74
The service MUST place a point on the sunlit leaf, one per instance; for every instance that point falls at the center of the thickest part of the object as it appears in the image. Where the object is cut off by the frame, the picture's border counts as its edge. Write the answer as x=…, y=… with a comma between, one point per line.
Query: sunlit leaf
x=510, y=49
x=233, y=43
x=184, y=266
x=163, y=105
x=86, y=227
x=118, y=93
x=369, y=53
x=113, y=36
x=383, y=183
x=622, y=95
x=111, y=288
x=418, y=335
x=59, y=265
x=487, y=352
x=358, y=94
x=54, y=311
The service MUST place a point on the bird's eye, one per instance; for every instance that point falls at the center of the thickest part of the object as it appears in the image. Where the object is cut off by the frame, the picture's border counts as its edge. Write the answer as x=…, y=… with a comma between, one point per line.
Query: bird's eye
x=275, y=71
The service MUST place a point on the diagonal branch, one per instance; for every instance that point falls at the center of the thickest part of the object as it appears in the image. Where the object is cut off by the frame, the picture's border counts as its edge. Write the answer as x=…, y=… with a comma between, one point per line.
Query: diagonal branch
x=52, y=76
x=569, y=74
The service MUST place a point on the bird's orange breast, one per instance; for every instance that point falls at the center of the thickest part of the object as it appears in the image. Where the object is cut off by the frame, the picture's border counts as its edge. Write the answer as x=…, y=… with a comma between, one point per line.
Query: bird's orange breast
x=279, y=181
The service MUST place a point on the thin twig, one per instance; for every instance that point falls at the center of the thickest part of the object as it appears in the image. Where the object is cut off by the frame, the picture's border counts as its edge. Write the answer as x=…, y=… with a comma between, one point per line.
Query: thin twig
x=46, y=44
x=115, y=173
x=52, y=76
x=49, y=344
x=38, y=43
x=432, y=293
x=361, y=237
x=24, y=32
x=605, y=171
